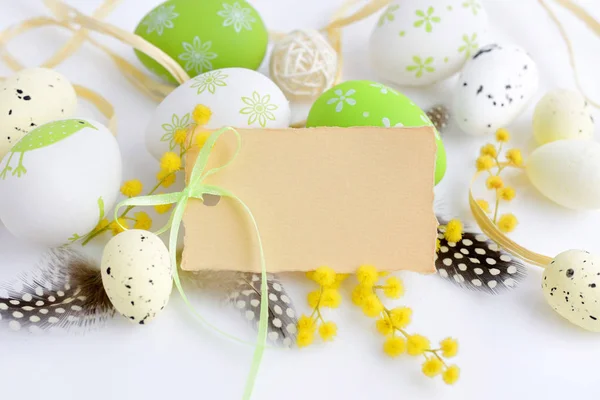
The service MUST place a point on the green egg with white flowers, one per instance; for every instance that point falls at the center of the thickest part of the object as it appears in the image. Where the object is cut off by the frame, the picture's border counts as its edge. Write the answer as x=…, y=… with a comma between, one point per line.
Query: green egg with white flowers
x=204, y=35
x=367, y=103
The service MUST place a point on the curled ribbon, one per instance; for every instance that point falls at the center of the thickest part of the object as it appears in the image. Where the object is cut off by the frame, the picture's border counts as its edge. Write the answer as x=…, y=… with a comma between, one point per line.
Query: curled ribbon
x=196, y=189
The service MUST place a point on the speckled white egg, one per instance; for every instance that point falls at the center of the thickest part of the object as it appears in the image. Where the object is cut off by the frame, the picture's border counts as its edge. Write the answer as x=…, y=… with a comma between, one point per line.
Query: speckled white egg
x=237, y=97
x=420, y=42
x=567, y=172
x=59, y=180
x=562, y=114
x=31, y=98
x=136, y=274
x=494, y=87
x=571, y=285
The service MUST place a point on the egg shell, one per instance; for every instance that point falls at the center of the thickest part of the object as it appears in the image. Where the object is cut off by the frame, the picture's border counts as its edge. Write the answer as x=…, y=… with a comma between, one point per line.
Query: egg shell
x=136, y=274
x=562, y=114
x=31, y=98
x=420, y=42
x=204, y=35
x=56, y=177
x=571, y=285
x=237, y=97
x=568, y=173
x=494, y=87
x=367, y=103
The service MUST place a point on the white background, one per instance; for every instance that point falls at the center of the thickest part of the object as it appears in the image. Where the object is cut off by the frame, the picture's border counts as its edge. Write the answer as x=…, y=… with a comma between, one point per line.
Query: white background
x=512, y=345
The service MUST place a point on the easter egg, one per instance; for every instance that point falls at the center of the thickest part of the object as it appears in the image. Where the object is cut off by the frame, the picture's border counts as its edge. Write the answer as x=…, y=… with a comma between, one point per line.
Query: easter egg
x=494, y=87
x=31, y=98
x=567, y=172
x=59, y=181
x=571, y=285
x=204, y=35
x=420, y=42
x=562, y=114
x=136, y=274
x=237, y=97
x=367, y=103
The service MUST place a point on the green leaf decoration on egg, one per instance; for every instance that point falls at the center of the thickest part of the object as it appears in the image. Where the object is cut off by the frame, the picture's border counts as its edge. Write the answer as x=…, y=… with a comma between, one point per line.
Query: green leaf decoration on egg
x=204, y=36
x=367, y=103
x=43, y=136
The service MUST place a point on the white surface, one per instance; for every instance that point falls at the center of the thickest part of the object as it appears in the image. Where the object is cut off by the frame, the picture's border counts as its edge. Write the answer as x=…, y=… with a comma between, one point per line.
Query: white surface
x=513, y=346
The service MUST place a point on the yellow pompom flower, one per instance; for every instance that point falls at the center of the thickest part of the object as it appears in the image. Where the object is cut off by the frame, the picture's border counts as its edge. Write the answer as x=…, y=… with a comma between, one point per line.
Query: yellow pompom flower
x=367, y=275
x=327, y=331
x=164, y=208
x=515, y=157
x=485, y=206
x=502, y=135
x=449, y=347
x=417, y=344
x=360, y=294
x=101, y=225
x=494, y=182
x=451, y=375
x=432, y=367
x=324, y=276
x=165, y=178
x=142, y=221
x=170, y=162
x=384, y=326
x=507, y=223
x=331, y=298
x=489, y=150
x=400, y=317
x=485, y=163
x=305, y=337
x=116, y=228
x=201, y=138
x=393, y=288
x=306, y=323
x=437, y=245
x=372, y=306
x=339, y=278
x=394, y=346
x=201, y=114
x=313, y=298
x=454, y=230
x=180, y=136
x=507, y=193
x=132, y=188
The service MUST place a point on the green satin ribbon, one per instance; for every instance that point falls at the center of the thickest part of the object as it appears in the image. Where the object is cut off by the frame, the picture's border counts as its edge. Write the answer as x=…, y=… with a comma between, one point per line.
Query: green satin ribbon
x=196, y=189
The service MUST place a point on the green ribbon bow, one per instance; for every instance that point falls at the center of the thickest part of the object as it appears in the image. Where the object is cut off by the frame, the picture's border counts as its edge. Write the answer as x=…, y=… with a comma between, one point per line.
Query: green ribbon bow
x=196, y=189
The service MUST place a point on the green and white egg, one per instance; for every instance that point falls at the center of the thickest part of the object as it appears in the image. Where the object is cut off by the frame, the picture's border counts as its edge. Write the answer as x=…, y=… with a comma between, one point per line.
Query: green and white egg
x=204, y=35
x=136, y=275
x=59, y=180
x=571, y=285
x=420, y=42
x=237, y=97
x=31, y=98
x=367, y=103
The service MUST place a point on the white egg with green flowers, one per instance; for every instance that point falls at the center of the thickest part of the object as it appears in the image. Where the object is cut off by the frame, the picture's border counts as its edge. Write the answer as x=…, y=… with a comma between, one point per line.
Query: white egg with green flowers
x=59, y=181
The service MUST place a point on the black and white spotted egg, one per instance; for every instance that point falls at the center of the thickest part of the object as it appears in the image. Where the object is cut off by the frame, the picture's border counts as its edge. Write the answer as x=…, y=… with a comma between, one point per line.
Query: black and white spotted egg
x=136, y=274
x=30, y=98
x=494, y=87
x=571, y=285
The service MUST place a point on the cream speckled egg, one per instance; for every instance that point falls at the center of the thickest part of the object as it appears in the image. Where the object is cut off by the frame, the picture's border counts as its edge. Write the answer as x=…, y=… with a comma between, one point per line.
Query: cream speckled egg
x=237, y=97
x=494, y=87
x=420, y=42
x=31, y=98
x=568, y=173
x=59, y=180
x=136, y=274
x=562, y=114
x=571, y=285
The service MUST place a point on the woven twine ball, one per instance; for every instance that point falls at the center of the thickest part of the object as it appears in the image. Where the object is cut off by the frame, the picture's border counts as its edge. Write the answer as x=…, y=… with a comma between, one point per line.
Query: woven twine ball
x=303, y=64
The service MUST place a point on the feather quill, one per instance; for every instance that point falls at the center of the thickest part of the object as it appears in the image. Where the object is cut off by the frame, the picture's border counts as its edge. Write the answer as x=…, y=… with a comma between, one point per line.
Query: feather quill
x=65, y=291
x=477, y=263
x=242, y=291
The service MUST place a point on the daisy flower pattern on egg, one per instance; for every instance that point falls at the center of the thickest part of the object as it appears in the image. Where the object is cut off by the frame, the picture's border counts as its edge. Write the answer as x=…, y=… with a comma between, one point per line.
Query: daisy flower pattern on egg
x=237, y=16
x=197, y=56
x=342, y=98
x=160, y=18
x=259, y=109
x=209, y=81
